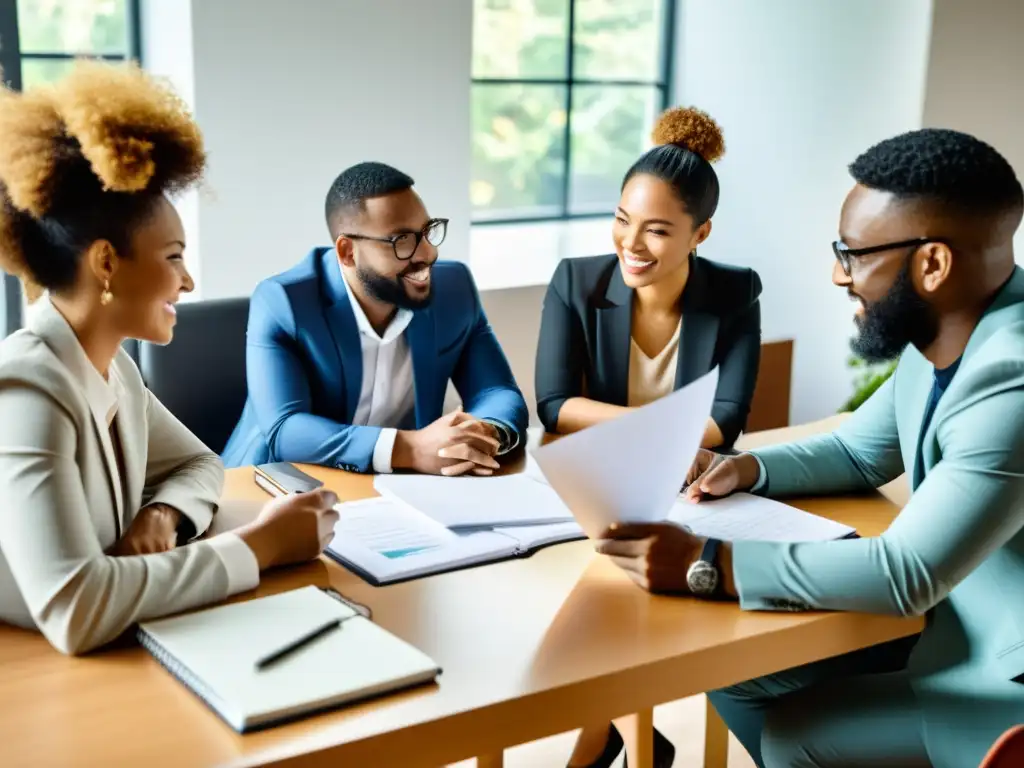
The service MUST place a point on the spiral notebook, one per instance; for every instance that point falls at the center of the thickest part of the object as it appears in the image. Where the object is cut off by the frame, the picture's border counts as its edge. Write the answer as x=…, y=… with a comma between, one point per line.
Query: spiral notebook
x=214, y=651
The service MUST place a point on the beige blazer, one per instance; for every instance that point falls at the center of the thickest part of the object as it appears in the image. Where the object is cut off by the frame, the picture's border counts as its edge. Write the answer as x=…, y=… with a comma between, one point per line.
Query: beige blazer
x=61, y=509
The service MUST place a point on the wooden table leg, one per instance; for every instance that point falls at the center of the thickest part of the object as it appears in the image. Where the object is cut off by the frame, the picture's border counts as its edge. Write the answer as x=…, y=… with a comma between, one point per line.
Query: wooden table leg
x=716, y=739
x=497, y=760
x=638, y=733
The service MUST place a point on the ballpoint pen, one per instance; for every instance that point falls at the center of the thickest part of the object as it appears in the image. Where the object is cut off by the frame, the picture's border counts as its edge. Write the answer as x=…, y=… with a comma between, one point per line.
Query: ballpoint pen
x=298, y=643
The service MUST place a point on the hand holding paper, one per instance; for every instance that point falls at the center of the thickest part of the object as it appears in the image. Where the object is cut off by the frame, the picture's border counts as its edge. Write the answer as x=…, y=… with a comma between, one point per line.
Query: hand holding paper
x=714, y=476
x=654, y=555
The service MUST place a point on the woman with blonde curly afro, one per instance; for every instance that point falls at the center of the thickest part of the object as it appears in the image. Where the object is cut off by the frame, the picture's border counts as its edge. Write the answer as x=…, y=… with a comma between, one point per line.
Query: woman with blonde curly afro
x=622, y=330
x=95, y=471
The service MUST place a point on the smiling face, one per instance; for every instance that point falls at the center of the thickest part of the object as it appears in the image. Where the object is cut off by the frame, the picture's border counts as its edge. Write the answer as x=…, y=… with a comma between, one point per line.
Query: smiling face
x=891, y=311
x=148, y=281
x=653, y=234
x=400, y=282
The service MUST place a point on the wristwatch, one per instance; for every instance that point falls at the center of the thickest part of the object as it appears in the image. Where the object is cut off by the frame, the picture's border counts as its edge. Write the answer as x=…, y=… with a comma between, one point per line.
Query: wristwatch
x=507, y=439
x=703, y=577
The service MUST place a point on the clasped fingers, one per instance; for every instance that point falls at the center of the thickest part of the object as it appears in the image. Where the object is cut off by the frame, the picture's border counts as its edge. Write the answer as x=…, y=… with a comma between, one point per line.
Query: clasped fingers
x=474, y=450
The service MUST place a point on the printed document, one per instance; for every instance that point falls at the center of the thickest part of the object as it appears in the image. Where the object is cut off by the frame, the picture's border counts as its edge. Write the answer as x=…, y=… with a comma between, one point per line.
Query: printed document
x=630, y=468
x=743, y=516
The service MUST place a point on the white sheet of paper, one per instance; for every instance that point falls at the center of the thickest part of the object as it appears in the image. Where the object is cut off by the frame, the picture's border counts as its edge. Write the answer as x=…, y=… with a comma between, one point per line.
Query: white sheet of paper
x=532, y=536
x=390, y=540
x=477, y=502
x=630, y=469
x=533, y=470
x=754, y=518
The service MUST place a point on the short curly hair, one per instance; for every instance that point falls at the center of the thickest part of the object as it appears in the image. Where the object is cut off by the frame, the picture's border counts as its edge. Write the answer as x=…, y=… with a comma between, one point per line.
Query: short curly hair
x=354, y=186
x=941, y=165
x=687, y=141
x=86, y=159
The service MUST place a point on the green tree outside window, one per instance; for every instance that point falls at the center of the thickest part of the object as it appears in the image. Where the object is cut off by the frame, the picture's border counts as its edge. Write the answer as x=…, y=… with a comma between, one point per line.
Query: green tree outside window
x=558, y=113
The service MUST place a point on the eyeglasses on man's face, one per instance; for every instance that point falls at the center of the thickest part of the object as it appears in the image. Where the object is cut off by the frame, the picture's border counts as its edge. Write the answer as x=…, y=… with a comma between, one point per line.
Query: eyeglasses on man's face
x=405, y=244
x=845, y=254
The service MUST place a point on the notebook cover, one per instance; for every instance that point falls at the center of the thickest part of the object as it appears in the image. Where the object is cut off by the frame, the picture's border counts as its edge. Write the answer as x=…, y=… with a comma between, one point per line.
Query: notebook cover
x=207, y=694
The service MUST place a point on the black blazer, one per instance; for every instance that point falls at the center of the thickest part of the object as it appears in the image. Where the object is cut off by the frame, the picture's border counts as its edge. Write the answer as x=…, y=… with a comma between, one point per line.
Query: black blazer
x=586, y=326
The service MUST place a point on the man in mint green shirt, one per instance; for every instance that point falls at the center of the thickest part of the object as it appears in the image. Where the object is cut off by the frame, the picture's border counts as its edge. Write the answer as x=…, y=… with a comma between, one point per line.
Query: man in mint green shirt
x=926, y=251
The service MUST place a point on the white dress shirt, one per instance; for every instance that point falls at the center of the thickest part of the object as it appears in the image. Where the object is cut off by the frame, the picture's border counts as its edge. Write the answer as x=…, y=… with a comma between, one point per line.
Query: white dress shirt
x=104, y=396
x=388, y=395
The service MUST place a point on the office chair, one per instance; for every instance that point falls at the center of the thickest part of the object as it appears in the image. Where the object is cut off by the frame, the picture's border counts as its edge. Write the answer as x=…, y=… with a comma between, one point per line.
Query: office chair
x=200, y=375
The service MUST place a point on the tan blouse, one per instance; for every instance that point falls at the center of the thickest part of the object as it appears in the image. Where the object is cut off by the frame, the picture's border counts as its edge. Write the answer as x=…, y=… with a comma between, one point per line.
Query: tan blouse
x=651, y=378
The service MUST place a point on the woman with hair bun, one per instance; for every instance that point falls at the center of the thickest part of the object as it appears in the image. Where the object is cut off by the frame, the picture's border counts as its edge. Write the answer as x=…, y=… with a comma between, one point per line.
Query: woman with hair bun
x=622, y=330
x=100, y=482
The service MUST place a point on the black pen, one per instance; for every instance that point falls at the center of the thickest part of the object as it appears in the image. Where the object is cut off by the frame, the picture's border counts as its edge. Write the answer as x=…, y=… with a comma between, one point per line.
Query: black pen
x=295, y=645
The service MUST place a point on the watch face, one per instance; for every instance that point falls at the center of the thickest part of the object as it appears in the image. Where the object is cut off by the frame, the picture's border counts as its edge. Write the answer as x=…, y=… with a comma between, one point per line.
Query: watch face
x=702, y=578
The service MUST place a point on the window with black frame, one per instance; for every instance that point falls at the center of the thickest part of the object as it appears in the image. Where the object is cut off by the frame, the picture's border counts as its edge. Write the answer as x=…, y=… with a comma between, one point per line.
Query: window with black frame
x=564, y=95
x=39, y=41
x=53, y=33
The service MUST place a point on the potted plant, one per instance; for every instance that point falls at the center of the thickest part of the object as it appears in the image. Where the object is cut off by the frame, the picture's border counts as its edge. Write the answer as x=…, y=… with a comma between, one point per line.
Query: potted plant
x=868, y=378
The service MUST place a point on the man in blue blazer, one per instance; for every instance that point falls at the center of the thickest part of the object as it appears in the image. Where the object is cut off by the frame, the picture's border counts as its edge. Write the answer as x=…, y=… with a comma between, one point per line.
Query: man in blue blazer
x=350, y=352
x=926, y=249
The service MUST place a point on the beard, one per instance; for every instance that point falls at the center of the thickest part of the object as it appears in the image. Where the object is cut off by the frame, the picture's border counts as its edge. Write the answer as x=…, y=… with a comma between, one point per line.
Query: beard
x=899, y=318
x=392, y=290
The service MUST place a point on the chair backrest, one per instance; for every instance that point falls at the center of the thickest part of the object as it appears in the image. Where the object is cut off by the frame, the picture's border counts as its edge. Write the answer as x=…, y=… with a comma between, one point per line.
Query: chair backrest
x=1008, y=751
x=200, y=375
x=770, y=407
x=131, y=346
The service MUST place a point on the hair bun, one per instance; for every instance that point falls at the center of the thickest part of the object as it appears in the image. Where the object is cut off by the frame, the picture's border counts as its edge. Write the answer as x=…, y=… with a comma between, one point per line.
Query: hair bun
x=134, y=130
x=121, y=125
x=692, y=129
x=30, y=127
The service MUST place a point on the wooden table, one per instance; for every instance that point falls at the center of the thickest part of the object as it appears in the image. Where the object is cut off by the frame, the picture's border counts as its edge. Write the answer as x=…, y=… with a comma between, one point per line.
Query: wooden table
x=529, y=648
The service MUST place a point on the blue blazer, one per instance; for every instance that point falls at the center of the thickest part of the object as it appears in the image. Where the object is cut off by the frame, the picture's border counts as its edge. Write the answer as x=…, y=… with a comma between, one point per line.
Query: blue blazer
x=304, y=367
x=955, y=553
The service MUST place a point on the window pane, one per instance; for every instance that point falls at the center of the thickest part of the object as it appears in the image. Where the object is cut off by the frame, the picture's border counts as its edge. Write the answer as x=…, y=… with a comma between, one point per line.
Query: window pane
x=520, y=39
x=518, y=135
x=38, y=71
x=610, y=130
x=619, y=39
x=73, y=26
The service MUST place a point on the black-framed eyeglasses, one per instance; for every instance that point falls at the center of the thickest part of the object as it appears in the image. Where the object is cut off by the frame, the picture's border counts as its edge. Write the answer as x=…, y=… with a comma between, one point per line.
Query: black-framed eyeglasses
x=406, y=243
x=845, y=253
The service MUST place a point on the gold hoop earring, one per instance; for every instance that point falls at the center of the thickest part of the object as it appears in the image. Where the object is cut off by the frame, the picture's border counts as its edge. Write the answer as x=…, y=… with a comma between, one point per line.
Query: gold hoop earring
x=106, y=297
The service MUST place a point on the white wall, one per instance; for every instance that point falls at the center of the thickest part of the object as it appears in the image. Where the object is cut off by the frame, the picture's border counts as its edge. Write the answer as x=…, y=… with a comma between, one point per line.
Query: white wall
x=166, y=30
x=800, y=87
x=288, y=94
x=974, y=76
